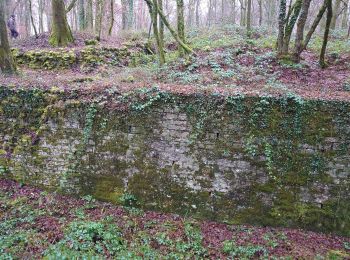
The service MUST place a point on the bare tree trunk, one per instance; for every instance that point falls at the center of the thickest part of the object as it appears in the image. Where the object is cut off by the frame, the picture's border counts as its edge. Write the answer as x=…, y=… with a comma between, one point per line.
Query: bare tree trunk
x=335, y=14
x=7, y=64
x=99, y=15
x=300, y=29
x=233, y=11
x=315, y=24
x=27, y=20
x=222, y=11
x=130, y=14
x=260, y=12
x=344, y=24
x=82, y=18
x=290, y=23
x=41, y=20
x=249, y=14
x=243, y=13
x=61, y=34
x=191, y=10
x=197, y=13
x=172, y=31
x=112, y=18
x=180, y=24
x=161, y=33
x=89, y=15
x=210, y=11
x=153, y=7
x=326, y=34
x=32, y=19
x=281, y=25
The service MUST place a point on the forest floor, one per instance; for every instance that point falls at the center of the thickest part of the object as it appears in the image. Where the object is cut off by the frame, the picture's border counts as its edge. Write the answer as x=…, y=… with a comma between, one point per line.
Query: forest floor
x=226, y=63
x=34, y=223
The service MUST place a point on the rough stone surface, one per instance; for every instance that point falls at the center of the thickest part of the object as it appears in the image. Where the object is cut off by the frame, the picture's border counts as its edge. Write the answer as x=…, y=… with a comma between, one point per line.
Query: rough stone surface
x=169, y=164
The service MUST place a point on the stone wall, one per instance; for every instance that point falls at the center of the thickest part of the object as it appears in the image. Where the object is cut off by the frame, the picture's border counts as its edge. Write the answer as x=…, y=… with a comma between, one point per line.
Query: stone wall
x=262, y=161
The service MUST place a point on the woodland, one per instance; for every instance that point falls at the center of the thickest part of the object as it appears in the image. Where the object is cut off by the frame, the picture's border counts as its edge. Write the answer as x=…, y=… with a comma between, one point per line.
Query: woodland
x=104, y=51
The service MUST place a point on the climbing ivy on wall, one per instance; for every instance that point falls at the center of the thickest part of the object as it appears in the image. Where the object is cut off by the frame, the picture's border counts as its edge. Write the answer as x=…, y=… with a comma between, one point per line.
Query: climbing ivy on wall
x=76, y=156
x=286, y=137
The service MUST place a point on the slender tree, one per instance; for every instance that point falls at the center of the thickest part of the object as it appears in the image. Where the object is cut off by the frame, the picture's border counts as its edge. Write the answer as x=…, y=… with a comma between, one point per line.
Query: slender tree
x=326, y=33
x=175, y=35
x=335, y=14
x=32, y=19
x=81, y=16
x=344, y=24
x=300, y=29
x=249, y=16
x=281, y=24
x=89, y=15
x=112, y=18
x=41, y=15
x=130, y=14
x=7, y=64
x=161, y=29
x=124, y=14
x=260, y=12
x=315, y=24
x=99, y=15
x=153, y=6
x=180, y=24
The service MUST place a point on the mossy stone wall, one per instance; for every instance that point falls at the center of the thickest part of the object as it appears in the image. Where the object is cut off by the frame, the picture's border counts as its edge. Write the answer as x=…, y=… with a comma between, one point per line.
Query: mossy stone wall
x=265, y=161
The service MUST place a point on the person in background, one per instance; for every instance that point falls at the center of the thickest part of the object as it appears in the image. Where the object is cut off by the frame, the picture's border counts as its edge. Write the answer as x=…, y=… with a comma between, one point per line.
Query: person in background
x=11, y=24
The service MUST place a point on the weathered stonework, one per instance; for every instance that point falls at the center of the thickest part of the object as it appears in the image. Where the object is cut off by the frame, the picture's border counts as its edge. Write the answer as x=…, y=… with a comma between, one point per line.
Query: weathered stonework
x=246, y=160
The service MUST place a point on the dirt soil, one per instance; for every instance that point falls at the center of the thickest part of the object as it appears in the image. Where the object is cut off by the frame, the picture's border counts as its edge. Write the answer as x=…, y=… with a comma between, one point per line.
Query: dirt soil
x=234, y=70
x=54, y=212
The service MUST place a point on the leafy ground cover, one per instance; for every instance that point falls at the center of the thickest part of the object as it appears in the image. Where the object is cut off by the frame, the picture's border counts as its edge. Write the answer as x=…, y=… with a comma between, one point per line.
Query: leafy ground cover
x=226, y=62
x=37, y=224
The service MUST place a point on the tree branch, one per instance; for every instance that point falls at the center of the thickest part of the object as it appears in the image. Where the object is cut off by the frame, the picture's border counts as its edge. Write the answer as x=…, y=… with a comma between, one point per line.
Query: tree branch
x=70, y=6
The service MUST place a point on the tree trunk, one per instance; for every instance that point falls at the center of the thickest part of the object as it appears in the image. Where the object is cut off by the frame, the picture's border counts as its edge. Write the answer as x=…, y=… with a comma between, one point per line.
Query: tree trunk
x=27, y=20
x=82, y=22
x=7, y=64
x=210, y=8
x=89, y=15
x=326, y=34
x=335, y=14
x=249, y=15
x=172, y=31
x=131, y=14
x=281, y=25
x=233, y=11
x=180, y=24
x=161, y=24
x=41, y=14
x=290, y=23
x=71, y=6
x=260, y=12
x=61, y=34
x=112, y=18
x=191, y=9
x=344, y=24
x=243, y=13
x=315, y=24
x=99, y=15
x=197, y=13
x=161, y=33
x=153, y=6
x=32, y=19
x=223, y=11
x=124, y=14
x=300, y=30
